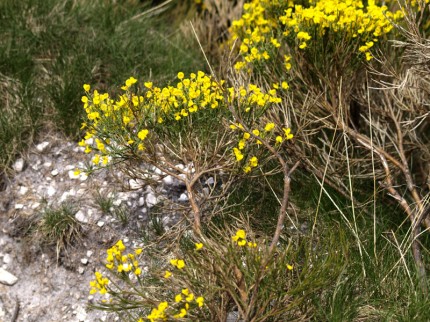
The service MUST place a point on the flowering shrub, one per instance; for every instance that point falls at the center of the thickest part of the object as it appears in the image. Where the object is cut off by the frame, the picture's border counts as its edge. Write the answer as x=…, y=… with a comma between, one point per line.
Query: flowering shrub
x=269, y=29
x=189, y=288
x=199, y=121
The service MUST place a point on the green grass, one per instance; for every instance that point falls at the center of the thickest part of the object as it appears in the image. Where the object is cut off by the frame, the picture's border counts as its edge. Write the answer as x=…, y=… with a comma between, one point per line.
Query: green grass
x=49, y=49
x=57, y=226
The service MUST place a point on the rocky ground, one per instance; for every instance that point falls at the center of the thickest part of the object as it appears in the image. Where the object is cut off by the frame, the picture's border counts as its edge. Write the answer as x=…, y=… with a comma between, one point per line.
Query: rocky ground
x=38, y=282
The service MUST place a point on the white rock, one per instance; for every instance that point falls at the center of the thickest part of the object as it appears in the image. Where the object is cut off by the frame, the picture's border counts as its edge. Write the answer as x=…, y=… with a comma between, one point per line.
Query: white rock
x=83, y=176
x=42, y=146
x=100, y=223
x=117, y=202
x=47, y=164
x=89, y=253
x=183, y=197
x=7, y=278
x=22, y=190
x=84, y=261
x=168, y=180
x=35, y=205
x=7, y=259
x=19, y=164
x=210, y=181
x=151, y=200
x=141, y=201
x=54, y=172
x=80, y=216
x=51, y=191
x=19, y=206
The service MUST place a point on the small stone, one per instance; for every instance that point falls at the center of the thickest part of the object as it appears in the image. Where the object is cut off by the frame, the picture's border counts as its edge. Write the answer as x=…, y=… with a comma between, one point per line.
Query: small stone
x=100, y=223
x=51, y=191
x=19, y=206
x=54, y=172
x=84, y=261
x=35, y=205
x=22, y=190
x=47, y=164
x=141, y=201
x=42, y=146
x=7, y=259
x=80, y=216
x=89, y=253
x=210, y=181
x=151, y=200
x=81, y=270
x=7, y=278
x=117, y=202
x=168, y=180
x=19, y=164
x=183, y=197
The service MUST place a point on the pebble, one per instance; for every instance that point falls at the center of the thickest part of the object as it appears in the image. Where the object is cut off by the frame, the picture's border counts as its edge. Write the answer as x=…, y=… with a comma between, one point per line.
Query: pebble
x=84, y=261
x=54, y=172
x=19, y=164
x=80, y=216
x=51, y=191
x=7, y=259
x=151, y=200
x=22, y=190
x=141, y=201
x=7, y=278
x=19, y=206
x=183, y=197
x=42, y=146
x=89, y=253
x=100, y=223
x=81, y=270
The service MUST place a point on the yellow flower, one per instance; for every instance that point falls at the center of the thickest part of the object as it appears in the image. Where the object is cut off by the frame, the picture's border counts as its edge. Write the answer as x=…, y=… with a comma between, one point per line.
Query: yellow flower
x=138, y=271
x=252, y=244
x=185, y=291
x=181, y=75
x=138, y=251
x=142, y=134
x=200, y=301
x=77, y=172
x=87, y=87
x=167, y=274
x=288, y=134
x=302, y=45
x=181, y=264
x=120, y=245
x=247, y=169
x=190, y=297
x=130, y=81
x=285, y=85
x=256, y=132
x=253, y=162
x=279, y=139
x=241, y=242
x=269, y=127
x=237, y=154
x=182, y=314
x=290, y=267
x=199, y=246
x=178, y=298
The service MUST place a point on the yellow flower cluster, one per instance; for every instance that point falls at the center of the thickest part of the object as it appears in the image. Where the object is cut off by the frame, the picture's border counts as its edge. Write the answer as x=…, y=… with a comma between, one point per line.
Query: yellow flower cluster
x=117, y=260
x=132, y=116
x=267, y=24
x=185, y=297
x=240, y=239
x=99, y=284
x=268, y=133
x=129, y=121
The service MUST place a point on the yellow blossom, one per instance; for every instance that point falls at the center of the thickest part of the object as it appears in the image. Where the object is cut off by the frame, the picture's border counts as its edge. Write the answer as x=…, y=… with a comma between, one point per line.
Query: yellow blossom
x=199, y=246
